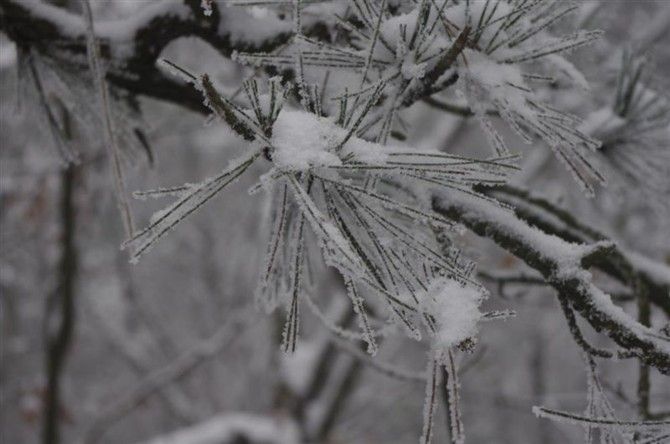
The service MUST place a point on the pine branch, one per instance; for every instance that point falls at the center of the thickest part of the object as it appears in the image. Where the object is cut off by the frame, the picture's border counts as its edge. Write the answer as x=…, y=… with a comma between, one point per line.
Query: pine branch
x=572, y=418
x=60, y=35
x=624, y=266
x=568, y=276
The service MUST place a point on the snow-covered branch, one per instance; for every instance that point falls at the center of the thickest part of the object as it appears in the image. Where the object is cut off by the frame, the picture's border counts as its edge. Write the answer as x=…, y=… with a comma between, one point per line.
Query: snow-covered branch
x=131, y=48
x=132, y=45
x=564, y=265
x=619, y=263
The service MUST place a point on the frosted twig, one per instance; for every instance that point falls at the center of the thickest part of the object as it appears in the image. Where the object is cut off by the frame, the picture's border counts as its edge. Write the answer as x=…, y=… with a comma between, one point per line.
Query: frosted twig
x=457, y=431
x=109, y=132
x=572, y=418
x=378, y=365
x=430, y=403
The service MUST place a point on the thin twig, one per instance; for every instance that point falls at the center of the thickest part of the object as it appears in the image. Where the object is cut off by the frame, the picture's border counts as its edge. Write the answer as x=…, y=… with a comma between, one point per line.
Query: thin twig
x=110, y=135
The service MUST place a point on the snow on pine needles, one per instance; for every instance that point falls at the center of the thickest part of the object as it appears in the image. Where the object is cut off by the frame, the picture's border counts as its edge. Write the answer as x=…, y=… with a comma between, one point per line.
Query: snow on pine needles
x=366, y=204
x=493, y=53
x=328, y=130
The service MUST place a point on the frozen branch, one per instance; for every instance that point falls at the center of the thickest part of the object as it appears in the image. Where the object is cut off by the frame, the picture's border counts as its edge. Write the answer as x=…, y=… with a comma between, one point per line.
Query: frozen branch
x=131, y=46
x=625, y=266
x=561, y=263
x=571, y=418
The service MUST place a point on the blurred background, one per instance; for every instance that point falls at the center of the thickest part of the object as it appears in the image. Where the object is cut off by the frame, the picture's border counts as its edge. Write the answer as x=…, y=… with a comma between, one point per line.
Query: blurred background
x=176, y=340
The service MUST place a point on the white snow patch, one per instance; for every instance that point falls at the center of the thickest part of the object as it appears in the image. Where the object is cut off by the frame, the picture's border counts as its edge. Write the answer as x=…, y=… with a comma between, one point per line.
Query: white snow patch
x=297, y=368
x=251, y=25
x=302, y=140
x=119, y=32
x=367, y=152
x=456, y=311
x=229, y=427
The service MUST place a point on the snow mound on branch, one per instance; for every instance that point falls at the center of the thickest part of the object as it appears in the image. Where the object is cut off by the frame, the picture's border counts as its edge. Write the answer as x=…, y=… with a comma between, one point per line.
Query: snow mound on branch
x=455, y=309
x=302, y=141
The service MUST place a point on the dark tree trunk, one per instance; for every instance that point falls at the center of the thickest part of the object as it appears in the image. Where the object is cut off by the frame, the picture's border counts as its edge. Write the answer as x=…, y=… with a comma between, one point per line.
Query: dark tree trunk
x=60, y=315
